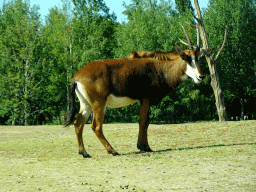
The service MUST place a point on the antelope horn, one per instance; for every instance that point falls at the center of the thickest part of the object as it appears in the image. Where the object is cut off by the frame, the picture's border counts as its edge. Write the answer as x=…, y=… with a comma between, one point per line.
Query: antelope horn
x=198, y=37
x=190, y=46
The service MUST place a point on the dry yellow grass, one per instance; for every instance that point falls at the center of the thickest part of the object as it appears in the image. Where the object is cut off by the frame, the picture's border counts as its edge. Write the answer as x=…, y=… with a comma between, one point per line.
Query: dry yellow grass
x=187, y=157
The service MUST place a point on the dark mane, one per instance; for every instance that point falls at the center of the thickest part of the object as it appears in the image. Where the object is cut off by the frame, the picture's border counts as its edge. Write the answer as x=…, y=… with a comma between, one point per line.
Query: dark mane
x=159, y=55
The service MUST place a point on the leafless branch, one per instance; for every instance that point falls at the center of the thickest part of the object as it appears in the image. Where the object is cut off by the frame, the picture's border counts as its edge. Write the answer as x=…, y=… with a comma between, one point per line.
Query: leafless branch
x=225, y=37
x=190, y=24
x=205, y=52
x=184, y=43
x=198, y=20
x=208, y=51
x=212, y=58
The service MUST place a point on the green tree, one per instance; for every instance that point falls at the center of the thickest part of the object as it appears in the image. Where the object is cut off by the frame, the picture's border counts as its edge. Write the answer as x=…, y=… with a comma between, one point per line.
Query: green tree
x=94, y=28
x=236, y=65
x=73, y=37
x=60, y=57
x=150, y=26
x=20, y=62
x=183, y=5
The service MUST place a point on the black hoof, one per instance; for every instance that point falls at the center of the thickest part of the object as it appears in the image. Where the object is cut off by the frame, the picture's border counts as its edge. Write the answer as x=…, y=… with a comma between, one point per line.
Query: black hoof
x=144, y=148
x=85, y=155
x=114, y=154
x=146, y=151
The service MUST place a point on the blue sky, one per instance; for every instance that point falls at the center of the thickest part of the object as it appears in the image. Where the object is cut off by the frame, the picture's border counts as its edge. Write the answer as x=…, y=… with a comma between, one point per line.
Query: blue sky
x=114, y=5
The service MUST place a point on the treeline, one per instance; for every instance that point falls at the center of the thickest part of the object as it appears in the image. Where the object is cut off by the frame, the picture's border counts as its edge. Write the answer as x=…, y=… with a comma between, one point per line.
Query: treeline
x=39, y=56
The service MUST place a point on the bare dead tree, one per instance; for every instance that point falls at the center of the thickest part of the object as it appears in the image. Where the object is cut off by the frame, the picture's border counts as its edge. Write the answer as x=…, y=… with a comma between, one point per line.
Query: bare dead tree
x=212, y=61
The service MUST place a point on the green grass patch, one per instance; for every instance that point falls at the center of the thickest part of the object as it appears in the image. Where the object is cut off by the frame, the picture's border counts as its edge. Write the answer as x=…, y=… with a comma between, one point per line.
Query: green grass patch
x=205, y=156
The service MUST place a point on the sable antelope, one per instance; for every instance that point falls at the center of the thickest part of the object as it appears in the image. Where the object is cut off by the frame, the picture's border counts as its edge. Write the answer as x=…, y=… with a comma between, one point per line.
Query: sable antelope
x=119, y=82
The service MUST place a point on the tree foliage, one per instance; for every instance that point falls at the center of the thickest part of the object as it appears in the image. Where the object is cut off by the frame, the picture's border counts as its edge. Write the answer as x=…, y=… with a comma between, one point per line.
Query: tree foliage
x=236, y=64
x=38, y=59
x=94, y=28
x=183, y=5
x=20, y=62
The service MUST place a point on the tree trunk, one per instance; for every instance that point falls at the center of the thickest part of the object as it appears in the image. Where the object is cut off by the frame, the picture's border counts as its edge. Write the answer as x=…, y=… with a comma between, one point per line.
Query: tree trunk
x=242, y=109
x=215, y=83
x=26, y=94
x=215, y=80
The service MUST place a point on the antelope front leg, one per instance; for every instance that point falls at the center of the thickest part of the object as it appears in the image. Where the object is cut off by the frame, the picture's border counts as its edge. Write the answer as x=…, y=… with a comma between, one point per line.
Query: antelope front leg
x=142, y=144
x=79, y=125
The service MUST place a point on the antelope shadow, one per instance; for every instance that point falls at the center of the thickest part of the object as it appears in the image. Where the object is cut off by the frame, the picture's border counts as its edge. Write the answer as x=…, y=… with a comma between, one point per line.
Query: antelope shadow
x=187, y=148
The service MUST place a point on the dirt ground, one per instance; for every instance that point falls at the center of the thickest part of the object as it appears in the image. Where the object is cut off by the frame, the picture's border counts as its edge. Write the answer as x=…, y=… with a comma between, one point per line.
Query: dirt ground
x=208, y=156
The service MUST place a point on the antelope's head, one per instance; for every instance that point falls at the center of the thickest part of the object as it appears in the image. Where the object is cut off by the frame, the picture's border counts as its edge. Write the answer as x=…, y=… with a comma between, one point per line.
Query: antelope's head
x=191, y=57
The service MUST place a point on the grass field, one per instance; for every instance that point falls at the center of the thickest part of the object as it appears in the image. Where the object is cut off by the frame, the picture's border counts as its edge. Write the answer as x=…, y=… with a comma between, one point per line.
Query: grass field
x=187, y=157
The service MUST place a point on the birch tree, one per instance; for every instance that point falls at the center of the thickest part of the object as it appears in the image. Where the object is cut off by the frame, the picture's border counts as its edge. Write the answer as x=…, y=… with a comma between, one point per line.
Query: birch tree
x=20, y=58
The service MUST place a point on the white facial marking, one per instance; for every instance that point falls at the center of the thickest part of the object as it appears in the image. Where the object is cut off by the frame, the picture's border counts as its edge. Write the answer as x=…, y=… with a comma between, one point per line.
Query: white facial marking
x=116, y=102
x=192, y=70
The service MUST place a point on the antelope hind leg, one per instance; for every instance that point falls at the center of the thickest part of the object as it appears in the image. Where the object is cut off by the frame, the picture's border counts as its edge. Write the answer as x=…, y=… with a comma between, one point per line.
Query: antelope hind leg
x=98, y=117
x=84, y=113
x=79, y=125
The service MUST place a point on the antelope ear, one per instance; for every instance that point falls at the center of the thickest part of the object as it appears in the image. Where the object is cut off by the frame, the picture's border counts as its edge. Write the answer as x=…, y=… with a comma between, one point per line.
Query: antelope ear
x=180, y=52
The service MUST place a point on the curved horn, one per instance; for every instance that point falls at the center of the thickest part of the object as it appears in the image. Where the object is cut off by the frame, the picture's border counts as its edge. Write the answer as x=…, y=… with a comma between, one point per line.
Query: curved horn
x=198, y=37
x=190, y=46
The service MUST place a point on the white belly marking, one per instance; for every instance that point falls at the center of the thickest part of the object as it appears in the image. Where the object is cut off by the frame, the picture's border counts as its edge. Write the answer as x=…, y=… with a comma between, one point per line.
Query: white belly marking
x=116, y=102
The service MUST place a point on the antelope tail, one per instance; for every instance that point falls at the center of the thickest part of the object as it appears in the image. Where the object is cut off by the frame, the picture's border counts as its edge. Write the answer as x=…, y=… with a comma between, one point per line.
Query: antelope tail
x=69, y=118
